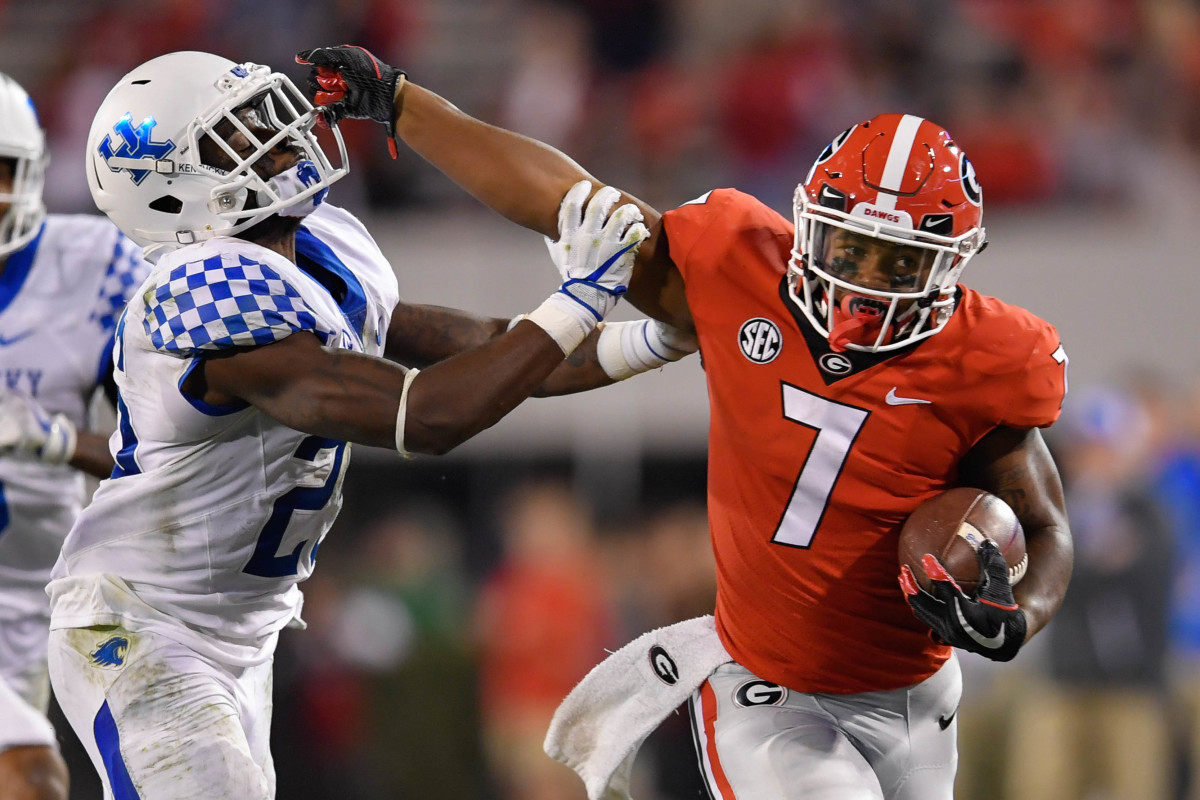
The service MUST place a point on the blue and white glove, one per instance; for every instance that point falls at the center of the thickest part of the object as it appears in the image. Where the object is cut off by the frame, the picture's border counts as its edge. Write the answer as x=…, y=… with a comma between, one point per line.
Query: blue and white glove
x=26, y=428
x=594, y=254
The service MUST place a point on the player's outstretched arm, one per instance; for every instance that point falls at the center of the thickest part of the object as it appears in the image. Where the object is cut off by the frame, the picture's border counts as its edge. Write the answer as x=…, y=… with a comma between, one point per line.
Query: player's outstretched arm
x=359, y=398
x=519, y=177
x=1017, y=466
x=421, y=335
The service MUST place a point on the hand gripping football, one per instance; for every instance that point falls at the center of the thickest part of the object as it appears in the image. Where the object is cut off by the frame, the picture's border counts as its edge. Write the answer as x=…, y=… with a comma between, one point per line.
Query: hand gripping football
x=952, y=525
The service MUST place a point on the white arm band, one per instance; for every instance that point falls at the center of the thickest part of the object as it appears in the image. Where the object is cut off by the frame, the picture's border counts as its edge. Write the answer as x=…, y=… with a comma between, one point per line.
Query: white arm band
x=400, y=415
x=625, y=349
x=567, y=321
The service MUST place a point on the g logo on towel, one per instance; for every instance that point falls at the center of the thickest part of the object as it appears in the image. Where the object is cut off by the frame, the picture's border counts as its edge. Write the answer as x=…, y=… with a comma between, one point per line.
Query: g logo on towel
x=663, y=666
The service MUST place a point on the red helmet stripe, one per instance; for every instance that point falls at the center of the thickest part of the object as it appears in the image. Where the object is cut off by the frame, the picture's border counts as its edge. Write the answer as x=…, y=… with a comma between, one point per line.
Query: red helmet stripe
x=897, y=160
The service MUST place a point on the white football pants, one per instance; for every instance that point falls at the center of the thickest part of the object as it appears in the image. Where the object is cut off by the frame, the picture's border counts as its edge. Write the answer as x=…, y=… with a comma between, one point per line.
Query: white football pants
x=24, y=684
x=759, y=741
x=161, y=722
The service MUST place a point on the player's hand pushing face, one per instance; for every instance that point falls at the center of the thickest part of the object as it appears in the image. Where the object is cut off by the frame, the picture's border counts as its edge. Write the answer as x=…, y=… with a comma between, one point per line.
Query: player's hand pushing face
x=349, y=81
x=596, y=246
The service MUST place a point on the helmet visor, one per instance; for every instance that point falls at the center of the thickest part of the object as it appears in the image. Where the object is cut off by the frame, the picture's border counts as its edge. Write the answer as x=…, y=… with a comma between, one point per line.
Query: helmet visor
x=856, y=259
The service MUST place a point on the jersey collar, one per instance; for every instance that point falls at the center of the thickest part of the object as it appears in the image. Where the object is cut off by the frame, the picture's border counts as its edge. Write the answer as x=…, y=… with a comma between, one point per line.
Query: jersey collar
x=831, y=365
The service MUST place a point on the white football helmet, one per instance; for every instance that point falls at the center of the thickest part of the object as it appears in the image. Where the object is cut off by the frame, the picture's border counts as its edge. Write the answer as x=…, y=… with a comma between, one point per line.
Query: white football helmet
x=143, y=154
x=23, y=141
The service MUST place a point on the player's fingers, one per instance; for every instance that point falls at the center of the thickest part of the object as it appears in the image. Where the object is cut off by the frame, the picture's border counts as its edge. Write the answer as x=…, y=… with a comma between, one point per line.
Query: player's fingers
x=934, y=569
x=600, y=206
x=908, y=581
x=315, y=55
x=570, y=213
x=944, y=587
x=328, y=98
x=330, y=78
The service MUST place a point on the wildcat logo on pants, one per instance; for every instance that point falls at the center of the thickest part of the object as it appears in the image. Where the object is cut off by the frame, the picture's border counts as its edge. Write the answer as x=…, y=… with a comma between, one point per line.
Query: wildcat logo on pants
x=111, y=652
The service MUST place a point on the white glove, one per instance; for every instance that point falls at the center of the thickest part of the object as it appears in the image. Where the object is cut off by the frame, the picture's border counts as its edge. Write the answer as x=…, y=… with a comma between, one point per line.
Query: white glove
x=26, y=428
x=594, y=255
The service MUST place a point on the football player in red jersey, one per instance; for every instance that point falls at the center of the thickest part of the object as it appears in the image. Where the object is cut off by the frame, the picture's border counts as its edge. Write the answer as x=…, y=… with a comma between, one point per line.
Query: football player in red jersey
x=850, y=378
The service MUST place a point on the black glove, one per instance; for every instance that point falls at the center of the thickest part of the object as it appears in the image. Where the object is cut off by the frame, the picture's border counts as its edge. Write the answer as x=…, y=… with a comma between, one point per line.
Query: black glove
x=991, y=624
x=348, y=81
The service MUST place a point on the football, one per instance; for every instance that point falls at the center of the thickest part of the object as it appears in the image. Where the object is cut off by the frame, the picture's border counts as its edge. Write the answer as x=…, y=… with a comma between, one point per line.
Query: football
x=952, y=525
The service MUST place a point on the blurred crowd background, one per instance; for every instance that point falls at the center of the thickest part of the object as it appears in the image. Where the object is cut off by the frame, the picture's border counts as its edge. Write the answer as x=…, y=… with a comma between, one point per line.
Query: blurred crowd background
x=458, y=599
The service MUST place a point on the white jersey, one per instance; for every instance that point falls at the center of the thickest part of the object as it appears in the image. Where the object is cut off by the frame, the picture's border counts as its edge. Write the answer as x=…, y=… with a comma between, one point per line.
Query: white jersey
x=60, y=297
x=214, y=514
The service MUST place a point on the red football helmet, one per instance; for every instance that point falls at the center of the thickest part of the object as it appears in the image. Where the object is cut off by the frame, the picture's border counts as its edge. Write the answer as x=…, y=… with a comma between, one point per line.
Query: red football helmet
x=886, y=220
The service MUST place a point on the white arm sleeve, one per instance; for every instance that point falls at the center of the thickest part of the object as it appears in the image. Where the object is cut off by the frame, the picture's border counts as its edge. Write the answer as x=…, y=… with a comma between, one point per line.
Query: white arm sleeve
x=625, y=349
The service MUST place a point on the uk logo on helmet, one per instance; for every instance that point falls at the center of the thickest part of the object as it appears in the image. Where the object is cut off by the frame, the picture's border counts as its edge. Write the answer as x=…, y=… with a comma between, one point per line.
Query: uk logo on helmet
x=136, y=144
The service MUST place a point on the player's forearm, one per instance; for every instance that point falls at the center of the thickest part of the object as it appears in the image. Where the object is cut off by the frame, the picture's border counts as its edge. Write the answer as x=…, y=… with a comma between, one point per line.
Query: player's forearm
x=1041, y=592
x=92, y=455
x=521, y=178
x=453, y=400
x=1016, y=466
x=579, y=372
x=420, y=335
x=345, y=396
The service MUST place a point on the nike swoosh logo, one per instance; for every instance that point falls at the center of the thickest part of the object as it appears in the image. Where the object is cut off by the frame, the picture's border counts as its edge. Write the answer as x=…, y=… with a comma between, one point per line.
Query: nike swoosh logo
x=990, y=642
x=895, y=400
x=6, y=341
x=944, y=721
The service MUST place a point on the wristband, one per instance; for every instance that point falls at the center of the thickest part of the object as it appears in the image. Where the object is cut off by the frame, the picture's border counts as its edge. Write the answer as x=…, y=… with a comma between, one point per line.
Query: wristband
x=566, y=320
x=403, y=411
x=625, y=349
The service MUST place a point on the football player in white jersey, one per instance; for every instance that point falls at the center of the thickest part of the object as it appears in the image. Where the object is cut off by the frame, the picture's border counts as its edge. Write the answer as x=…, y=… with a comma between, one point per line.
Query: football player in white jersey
x=64, y=279
x=250, y=358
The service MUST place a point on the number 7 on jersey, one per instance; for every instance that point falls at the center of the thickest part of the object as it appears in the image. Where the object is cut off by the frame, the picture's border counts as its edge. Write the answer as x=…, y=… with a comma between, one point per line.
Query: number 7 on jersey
x=837, y=427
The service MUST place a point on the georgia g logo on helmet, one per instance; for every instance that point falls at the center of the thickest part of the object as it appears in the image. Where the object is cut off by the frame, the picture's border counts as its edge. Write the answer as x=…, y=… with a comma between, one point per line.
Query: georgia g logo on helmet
x=970, y=184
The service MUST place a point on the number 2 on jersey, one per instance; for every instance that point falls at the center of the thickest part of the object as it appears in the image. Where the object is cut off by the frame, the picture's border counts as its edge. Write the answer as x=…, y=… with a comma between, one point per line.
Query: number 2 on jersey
x=265, y=562
x=837, y=427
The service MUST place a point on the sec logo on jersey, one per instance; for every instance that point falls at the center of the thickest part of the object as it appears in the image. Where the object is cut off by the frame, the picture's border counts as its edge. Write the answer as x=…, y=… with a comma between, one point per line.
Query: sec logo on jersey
x=760, y=340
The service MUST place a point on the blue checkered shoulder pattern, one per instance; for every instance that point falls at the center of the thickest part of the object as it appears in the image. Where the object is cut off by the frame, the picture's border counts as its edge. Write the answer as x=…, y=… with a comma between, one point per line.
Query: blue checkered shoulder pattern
x=125, y=273
x=225, y=301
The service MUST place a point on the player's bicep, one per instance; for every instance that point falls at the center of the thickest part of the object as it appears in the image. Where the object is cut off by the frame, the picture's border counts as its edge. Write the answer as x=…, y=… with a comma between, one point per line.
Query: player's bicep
x=1016, y=465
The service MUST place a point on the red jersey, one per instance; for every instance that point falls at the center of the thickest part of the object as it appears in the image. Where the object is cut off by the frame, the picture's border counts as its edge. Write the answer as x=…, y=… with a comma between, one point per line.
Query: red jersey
x=816, y=458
